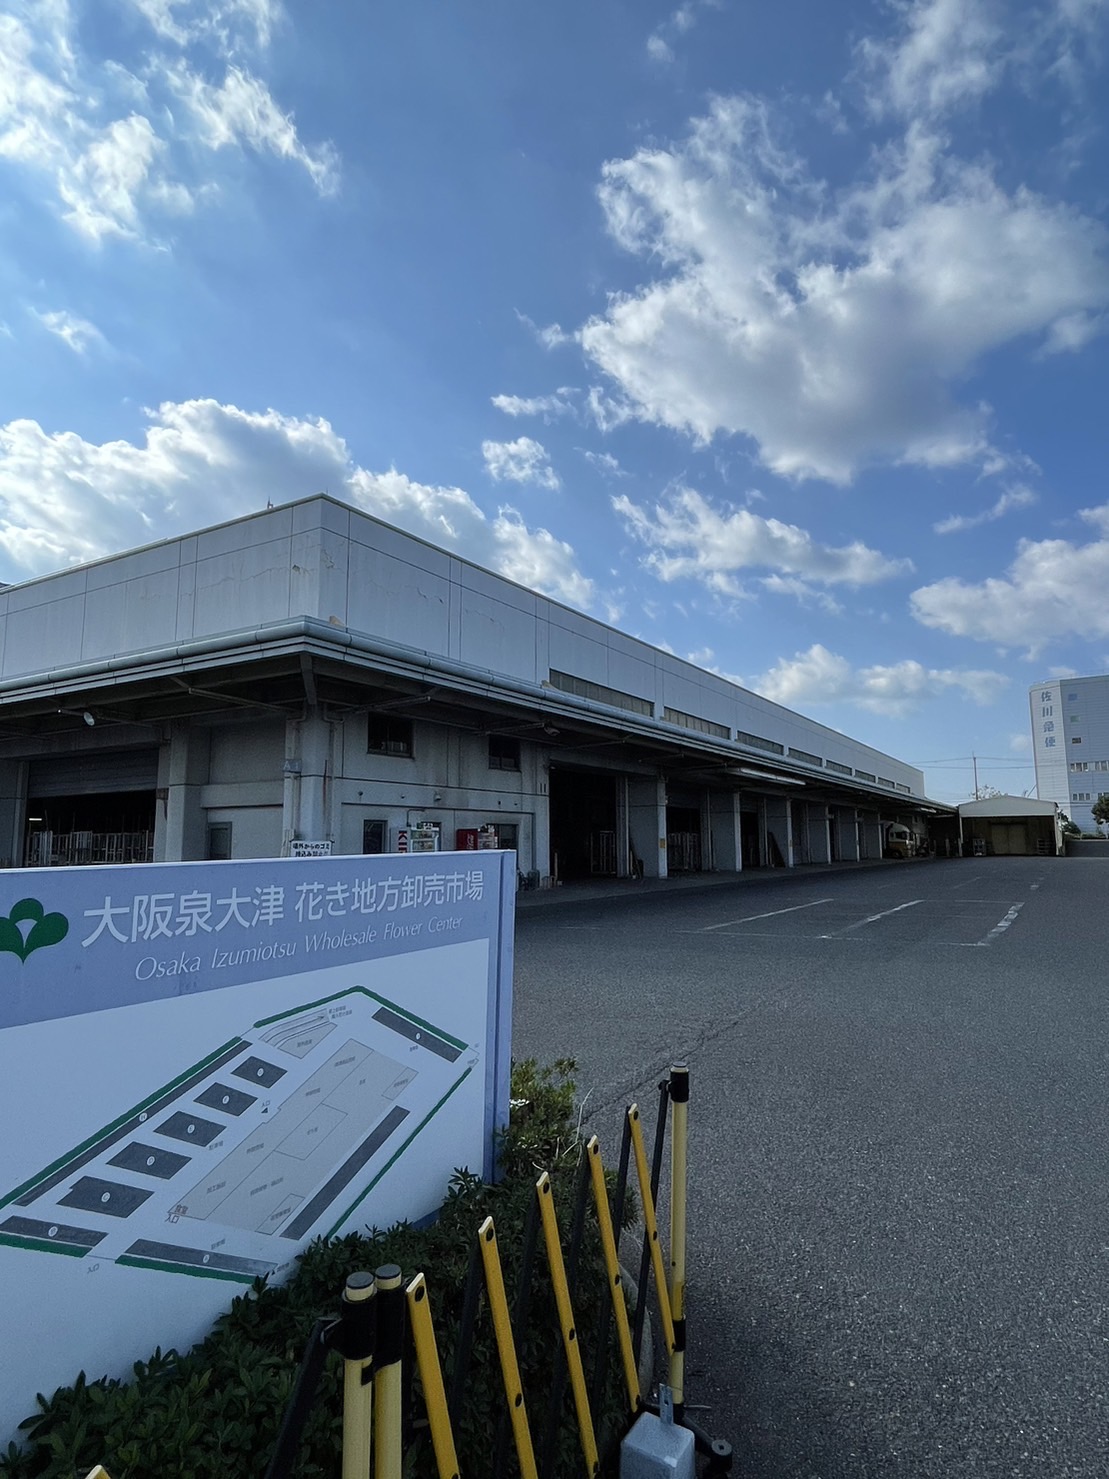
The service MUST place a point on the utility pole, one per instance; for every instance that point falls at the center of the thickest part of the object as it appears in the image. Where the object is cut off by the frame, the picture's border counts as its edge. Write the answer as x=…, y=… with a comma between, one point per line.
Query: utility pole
x=974, y=761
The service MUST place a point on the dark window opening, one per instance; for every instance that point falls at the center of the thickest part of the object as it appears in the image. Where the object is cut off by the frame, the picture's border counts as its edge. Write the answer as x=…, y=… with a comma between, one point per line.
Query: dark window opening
x=219, y=842
x=504, y=752
x=386, y=735
x=373, y=837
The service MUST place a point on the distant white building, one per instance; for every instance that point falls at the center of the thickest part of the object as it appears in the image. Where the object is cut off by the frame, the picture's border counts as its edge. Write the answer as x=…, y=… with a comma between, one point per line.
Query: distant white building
x=1070, y=742
x=309, y=674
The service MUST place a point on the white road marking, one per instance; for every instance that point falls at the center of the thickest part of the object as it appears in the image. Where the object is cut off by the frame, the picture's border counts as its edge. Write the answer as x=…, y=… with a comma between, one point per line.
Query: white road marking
x=968, y=881
x=1033, y=886
x=870, y=918
x=747, y=918
x=999, y=928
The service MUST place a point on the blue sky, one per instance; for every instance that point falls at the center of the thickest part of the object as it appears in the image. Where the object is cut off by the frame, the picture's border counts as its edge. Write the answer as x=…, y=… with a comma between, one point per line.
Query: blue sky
x=772, y=331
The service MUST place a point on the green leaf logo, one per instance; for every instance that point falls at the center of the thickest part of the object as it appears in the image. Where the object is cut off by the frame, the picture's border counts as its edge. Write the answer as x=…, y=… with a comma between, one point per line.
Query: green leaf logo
x=46, y=929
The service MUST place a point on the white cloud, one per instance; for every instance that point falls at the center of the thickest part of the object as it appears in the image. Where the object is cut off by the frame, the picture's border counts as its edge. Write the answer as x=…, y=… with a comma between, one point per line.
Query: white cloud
x=947, y=54
x=896, y=689
x=64, y=499
x=677, y=23
x=522, y=461
x=604, y=462
x=1019, y=497
x=550, y=336
x=547, y=406
x=241, y=112
x=1020, y=743
x=837, y=326
x=76, y=332
x=688, y=538
x=1054, y=588
x=234, y=23
x=116, y=153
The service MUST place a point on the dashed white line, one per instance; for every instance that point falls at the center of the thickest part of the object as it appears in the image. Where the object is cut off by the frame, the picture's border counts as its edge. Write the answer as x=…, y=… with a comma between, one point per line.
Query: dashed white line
x=999, y=928
x=870, y=918
x=747, y=918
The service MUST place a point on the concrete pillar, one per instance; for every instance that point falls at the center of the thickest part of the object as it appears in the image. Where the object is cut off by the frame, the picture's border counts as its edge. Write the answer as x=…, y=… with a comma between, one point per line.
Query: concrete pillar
x=623, y=849
x=647, y=823
x=540, y=837
x=308, y=799
x=818, y=824
x=180, y=822
x=708, y=846
x=724, y=831
x=13, y=812
x=778, y=811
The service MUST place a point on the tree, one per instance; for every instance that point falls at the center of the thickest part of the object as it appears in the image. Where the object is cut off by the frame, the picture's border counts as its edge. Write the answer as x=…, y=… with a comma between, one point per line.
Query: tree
x=1100, y=809
x=1069, y=827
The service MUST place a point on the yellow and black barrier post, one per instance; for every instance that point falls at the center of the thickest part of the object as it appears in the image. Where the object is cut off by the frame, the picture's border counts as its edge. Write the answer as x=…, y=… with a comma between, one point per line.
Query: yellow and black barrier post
x=563, y=1304
x=431, y=1378
x=506, y=1348
x=679, y=1188
x=356, y=1345
x=647, y=1200
x=612, y=1271
x=388, y=1456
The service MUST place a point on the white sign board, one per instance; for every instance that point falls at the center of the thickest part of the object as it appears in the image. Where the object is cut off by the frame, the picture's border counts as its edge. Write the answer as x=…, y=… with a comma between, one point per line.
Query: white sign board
x=203, y=1066
x=298, y=848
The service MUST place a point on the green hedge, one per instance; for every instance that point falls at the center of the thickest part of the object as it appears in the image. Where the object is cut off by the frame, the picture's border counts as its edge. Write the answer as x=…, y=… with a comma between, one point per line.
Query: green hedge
x=214, y=1412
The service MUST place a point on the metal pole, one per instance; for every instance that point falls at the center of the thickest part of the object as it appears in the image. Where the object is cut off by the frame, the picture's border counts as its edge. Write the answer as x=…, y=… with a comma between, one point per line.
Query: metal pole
x=388, y=1416
x=431, y=1378
x=649, y=1222
x=506, y=1348
x=679, y=1175
x=357, y=1345
x=612, y=1269
x=565, y=1309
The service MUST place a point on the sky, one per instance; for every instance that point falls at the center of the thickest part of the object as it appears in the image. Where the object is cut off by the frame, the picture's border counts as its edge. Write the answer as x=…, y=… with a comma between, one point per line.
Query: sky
x=770, y=331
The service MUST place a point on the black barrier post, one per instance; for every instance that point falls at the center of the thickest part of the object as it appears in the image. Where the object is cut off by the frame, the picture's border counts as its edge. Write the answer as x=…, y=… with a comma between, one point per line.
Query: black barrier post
x=656, y=1176
x=558, y=1385
x=520, y=1312
x=300, y=1402
x=461, y=1367
x=604, y=1344
x=388, y=1354
x=352, y=1336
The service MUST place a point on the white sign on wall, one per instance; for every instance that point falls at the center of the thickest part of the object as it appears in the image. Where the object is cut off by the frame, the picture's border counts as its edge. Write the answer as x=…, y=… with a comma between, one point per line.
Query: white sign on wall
x=203, y=1066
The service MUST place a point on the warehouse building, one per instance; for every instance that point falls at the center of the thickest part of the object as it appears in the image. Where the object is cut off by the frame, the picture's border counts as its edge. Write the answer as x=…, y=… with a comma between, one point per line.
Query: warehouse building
x=1070, y=741
x=308, y=676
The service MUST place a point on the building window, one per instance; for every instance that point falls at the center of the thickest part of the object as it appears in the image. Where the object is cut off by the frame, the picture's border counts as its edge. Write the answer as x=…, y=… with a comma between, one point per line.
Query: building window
x=599, y=693
x=504, y=752
x=1080, y=765
x=218, y=848
x=507, y=835
x=888, y=784
x=693, y=721
x=1076, y=739
x=757, y=742
x=806, y=756
x=1072, y=698
x=373, y=836
x=865, y=775
x=837, y=767
x=386, y=735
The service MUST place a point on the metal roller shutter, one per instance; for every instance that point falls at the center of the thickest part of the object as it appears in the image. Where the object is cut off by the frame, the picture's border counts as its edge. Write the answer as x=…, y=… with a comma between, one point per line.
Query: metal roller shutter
x=92, y=774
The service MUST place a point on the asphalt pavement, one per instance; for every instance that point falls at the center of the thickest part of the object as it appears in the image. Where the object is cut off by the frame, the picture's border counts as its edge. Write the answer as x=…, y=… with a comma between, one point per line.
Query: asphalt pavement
x=899, y=1220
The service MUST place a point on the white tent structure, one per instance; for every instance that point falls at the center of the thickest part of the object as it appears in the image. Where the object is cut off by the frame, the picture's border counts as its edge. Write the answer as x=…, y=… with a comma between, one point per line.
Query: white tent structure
x=1011, y=826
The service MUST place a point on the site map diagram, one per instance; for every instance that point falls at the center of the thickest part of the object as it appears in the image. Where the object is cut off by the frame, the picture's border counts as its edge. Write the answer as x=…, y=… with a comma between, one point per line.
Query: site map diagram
x=272, y=1139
